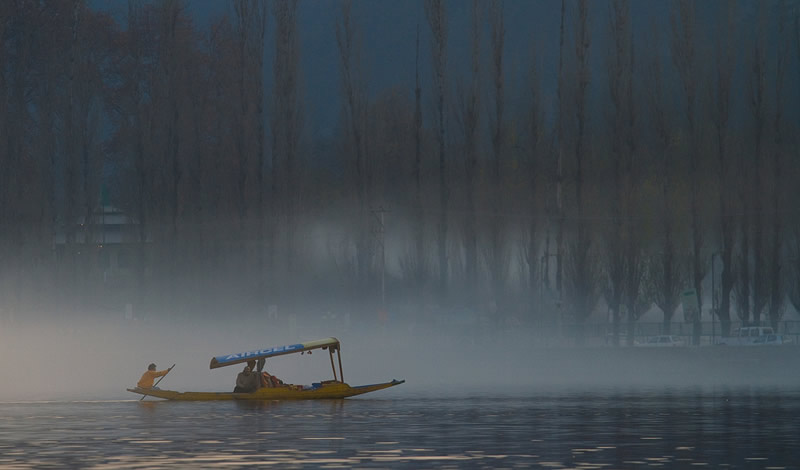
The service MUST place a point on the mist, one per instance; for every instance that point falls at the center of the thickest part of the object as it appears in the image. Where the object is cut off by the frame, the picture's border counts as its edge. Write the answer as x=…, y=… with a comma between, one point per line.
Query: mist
x=472, y=196
x=98, y=360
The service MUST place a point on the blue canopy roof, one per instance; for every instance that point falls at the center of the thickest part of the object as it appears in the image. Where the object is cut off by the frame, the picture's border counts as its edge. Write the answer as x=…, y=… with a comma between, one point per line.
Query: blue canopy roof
x=238, y=358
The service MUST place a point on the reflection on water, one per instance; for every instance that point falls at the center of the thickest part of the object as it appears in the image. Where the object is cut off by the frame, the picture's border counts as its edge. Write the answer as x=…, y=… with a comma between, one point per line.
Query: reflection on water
x=751, y=429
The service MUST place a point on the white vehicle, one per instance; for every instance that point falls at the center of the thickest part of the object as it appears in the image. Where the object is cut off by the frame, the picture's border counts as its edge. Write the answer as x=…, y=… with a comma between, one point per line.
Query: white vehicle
x=752, y=336
x=661, y=341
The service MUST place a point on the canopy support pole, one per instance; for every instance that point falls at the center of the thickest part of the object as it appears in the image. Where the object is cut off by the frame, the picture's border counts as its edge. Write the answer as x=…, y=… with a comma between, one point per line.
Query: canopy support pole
x=339, y=354
x=330, y=352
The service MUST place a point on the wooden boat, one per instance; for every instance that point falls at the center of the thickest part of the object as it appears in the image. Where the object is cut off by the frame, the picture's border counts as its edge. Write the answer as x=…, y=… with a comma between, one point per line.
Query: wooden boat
x=325, y=389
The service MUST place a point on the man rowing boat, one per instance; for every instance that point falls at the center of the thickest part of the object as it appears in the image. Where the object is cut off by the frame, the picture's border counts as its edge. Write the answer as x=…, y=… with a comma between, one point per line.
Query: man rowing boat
x=149, y=376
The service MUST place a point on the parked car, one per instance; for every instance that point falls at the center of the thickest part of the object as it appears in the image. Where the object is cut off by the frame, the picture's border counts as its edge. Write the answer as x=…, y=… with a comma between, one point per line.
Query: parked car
x=661, y=341
x=752, y=336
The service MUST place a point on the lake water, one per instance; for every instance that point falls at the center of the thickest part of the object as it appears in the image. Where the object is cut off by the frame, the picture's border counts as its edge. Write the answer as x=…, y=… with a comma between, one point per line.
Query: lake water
x=741, y=428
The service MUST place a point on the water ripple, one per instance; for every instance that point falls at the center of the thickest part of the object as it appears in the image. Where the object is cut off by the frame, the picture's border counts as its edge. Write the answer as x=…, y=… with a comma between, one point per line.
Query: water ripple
x=723, y=429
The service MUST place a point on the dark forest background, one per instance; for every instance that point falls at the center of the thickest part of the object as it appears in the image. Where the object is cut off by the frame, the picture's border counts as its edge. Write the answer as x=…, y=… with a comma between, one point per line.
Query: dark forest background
x=663, y=158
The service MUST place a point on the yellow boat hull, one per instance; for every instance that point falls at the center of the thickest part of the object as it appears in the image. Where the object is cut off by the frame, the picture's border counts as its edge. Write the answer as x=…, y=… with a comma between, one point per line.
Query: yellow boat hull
x=327, y=390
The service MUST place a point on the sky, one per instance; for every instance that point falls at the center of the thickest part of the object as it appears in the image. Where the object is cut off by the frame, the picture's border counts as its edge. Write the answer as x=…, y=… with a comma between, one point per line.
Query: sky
x=389, y=31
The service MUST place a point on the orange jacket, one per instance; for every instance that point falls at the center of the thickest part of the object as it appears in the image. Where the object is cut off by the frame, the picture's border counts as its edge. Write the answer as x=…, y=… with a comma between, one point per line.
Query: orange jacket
x=147, y=378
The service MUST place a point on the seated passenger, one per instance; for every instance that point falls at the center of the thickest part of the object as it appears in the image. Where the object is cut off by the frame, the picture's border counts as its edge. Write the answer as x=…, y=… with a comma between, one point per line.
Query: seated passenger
x=246, y=381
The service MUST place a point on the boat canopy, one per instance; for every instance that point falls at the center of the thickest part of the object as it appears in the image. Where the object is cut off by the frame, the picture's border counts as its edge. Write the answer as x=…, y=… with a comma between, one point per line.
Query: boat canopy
x=238, y=358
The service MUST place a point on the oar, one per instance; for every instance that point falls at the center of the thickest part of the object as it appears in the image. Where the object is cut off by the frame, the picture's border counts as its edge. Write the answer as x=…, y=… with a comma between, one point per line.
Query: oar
x=159, y=380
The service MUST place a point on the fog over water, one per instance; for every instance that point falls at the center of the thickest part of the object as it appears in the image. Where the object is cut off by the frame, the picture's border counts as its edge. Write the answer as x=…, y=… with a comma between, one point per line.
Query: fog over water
x=472, y=399
x=99, y=359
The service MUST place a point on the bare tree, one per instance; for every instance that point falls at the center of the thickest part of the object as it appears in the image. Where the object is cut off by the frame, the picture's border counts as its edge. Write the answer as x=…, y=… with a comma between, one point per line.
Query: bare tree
x=417, y=263
x=242, y=117
x=635, y=297
x=583, y=273
x=6, y=178
x=355, y=114
x=757, y=80
x=535, y=156
x=6, y=13
x=437, y=19
x=169, y=117
x=742, y=282
x=251, y=24
x=618, y=65
x=775, y=302
x=794, y=280
x=54, y=66
x=582, y=43
x=560, y=218
x=625, y=260
x=635, y=265
x=684, y=58
x=93, y=43
x=720, y=116
x=469, y=120
x=287, y=125
x=217, y=175
x=137, y=119
x=797, y=33
x=666, y=275
x=497, y=253
x=16, y=117
x=198, y=187
x=584, y=269
x=257, y=55
x=70, y=143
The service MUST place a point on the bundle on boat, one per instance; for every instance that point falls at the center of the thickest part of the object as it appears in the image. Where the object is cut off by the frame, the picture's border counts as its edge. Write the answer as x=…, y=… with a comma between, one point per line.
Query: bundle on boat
x=253, y=383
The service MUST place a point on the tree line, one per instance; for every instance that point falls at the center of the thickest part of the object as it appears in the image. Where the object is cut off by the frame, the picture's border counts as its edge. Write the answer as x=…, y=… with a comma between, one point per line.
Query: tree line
x=670, y=167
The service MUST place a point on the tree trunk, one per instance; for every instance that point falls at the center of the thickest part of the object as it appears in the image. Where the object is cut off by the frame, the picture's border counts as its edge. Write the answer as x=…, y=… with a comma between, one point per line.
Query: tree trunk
x=498, y=264
x=435, y=11
x=419, y=257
